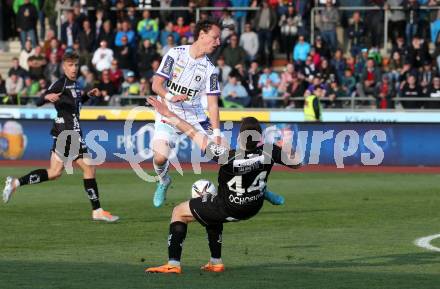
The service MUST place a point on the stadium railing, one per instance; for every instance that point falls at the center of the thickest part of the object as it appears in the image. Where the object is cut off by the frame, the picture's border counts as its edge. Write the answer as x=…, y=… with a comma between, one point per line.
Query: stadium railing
x=354, y=102
x=196, y=9
x=315, y=10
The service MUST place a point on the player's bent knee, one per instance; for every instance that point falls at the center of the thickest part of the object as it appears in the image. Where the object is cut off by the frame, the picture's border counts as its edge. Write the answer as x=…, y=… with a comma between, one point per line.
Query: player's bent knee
x=54, y=174
x=160, y=159
x=177, y=213
x=182, y=213
x=89, y=175
x=89, y=172
x=161, y=151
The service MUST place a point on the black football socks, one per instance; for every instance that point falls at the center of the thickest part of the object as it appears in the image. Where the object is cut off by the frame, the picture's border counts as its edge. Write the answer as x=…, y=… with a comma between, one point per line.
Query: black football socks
x=215, y=240
x=40, y=175
x=34, y=177
x=91, y=188
x=175, y=241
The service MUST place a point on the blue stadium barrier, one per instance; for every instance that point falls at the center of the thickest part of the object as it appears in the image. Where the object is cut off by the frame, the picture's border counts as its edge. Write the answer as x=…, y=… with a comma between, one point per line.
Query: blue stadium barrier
x=387, y=144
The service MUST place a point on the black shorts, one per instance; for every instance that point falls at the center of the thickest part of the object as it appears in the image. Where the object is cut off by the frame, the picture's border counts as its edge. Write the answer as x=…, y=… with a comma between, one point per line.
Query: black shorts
x=209, y=210
x=65, y=150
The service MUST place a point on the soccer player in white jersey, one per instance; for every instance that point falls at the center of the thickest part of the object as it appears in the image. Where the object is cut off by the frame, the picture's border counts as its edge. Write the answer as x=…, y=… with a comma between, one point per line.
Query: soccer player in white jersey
x=184, y=75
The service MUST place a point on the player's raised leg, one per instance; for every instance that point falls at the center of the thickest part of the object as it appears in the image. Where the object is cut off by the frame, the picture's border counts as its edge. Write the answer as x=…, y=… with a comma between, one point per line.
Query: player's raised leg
x=273, y=198
x=91, y=188
x=34, y=177
x=161, y=150
x=179, y=223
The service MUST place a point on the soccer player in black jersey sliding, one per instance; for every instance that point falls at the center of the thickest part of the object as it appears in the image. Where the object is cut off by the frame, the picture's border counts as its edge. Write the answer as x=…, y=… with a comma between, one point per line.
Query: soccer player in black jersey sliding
x=67, y=99
x=242, y=182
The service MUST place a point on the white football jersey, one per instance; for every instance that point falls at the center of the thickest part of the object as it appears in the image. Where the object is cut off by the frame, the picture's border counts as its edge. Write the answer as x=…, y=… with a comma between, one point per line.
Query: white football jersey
x=188, y=76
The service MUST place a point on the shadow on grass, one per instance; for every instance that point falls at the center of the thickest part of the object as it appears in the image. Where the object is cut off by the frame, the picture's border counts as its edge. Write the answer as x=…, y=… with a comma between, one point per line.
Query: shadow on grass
x=283, y=211
x=299, y=247
x=75, y=275
x=426, y=258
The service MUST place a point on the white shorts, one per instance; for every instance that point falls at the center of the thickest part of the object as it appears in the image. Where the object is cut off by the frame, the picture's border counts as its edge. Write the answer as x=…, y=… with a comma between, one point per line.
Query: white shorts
x=164, y=131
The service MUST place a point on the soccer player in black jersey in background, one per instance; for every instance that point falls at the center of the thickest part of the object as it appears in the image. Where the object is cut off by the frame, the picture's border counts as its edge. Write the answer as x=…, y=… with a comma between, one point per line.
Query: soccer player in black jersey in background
x=242, y=181
x=67, y=100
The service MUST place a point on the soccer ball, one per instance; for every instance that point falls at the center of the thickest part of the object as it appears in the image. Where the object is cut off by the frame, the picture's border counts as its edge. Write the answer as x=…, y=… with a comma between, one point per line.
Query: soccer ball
x=201, y=187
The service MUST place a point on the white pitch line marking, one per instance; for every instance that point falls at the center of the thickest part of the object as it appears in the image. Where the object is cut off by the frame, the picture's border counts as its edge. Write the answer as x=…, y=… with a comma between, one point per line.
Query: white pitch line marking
x=425, y=243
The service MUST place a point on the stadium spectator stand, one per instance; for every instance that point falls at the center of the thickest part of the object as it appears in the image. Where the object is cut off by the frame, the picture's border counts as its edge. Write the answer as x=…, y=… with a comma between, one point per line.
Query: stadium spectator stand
x=332, y=43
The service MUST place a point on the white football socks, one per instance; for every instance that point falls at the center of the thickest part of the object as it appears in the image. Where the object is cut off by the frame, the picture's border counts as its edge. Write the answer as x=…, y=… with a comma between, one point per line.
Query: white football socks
x=162, y=172
x=173, y=263
x=215, y=261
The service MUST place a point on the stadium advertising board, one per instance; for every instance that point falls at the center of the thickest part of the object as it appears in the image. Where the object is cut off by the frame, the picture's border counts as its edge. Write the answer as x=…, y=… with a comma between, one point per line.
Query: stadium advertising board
x=336, y=144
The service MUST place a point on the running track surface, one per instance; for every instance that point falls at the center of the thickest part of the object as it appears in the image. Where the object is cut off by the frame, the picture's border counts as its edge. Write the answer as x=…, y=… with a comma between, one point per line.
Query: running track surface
x=214, y=167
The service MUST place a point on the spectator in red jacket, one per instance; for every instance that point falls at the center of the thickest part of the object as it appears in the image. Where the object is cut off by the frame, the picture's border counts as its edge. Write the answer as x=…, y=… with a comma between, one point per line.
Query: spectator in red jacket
x=180, y=27
x=370, y=79
x=54, y=48
x=385, y=93
x=116, y=75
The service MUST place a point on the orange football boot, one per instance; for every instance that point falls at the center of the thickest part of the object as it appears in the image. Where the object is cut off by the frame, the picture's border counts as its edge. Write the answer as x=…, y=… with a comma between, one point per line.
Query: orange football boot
x=213, y=267
x=167, y=269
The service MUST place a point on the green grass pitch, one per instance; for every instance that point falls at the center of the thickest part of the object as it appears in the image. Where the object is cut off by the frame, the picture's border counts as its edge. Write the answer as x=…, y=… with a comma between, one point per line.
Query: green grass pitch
x=336, y=230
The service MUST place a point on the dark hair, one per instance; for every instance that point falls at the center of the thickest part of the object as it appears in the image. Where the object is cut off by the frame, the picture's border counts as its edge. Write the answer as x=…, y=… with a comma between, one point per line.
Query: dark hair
x=250, y=125
x=205, y=26
x=226, y=10
x=70, y=56
x=235, y=73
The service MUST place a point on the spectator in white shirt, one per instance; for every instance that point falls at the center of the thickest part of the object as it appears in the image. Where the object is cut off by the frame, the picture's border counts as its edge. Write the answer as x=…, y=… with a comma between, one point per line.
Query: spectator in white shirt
x=103, y=56
x=249, y=42
x=323, y=2
x=25, y=54
x=14, y=84
x=223, y=71
x=228, y=23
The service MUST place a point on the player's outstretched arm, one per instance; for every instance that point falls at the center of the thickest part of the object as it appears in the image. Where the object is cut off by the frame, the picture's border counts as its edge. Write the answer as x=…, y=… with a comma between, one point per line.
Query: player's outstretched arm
x=294, y=159
x=171, y=118
x=53, y=93
x=93, y=92
x=214, y=117
x=49, y=97
x=287, y=156
x=284, y=153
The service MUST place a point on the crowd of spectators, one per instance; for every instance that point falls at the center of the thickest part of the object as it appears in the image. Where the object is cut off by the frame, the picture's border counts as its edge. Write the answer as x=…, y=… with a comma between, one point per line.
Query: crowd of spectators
x=120, y=48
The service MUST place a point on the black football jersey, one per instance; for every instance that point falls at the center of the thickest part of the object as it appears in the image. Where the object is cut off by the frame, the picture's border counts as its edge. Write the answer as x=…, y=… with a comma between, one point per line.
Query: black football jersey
x=68, y=106
x=243, y=175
